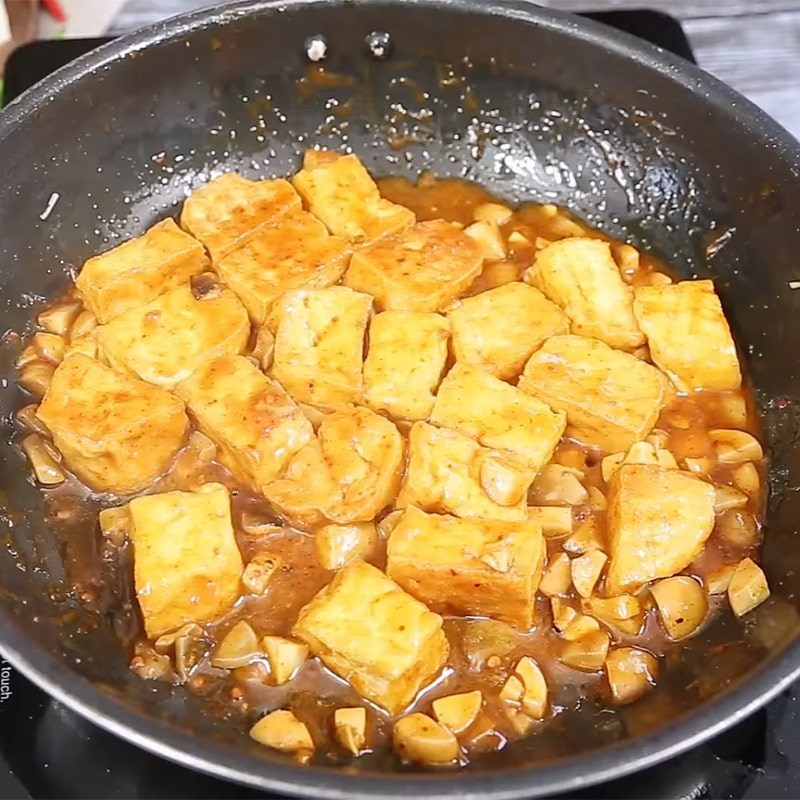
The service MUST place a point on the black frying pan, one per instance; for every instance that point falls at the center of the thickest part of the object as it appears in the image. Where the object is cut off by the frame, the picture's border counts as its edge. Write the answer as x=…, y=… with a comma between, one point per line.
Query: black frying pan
x=567, y=111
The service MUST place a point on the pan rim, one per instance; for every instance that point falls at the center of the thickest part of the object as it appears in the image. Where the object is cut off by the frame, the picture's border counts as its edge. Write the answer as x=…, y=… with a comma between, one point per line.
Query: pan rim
x=568, y=774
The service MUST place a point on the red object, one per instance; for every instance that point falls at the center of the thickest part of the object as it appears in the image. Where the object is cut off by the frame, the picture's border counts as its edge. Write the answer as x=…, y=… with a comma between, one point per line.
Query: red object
x=55, y=10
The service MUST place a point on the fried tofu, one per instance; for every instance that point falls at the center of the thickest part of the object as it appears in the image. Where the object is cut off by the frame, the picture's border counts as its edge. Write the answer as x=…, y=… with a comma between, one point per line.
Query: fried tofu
x=468, y=566
x=163, y=342
x=406, y=358
x=612, y=399
x=253, y=421
x=224, y=213
x=140, y=270
x=421, y=268
x=658, y=521
x=500, y=329
x=688, y=334
x=499, y=415
x=338, y=190
x=116, y=433
x=187, y=566
x=293, y=252
x=319, y=344
x=444, y=475
x=581, y=276
x=348, y=474
x=378, y=638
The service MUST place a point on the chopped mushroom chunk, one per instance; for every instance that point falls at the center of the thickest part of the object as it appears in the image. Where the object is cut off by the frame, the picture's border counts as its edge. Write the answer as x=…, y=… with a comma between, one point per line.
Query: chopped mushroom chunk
x=420, y=739
x=350, y=725
x=458, y=711
x=282, y=730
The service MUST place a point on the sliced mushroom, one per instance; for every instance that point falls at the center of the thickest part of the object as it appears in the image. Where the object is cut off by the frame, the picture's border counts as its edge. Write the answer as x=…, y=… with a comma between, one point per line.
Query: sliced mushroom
x=521, y=723
x=484, y=639
x=281, y=730
x=659, y=439
x=735, y=447
x=35, y=377
x=597, y=500
x=558, y=485
x=45, y=467
x=563, y=613
x=420, y=739
x=682, y=605
x=588, y=535
x=631, y=672
x=389, y=522
x=512, y=690
x=610, y=464
x=166, y=642
x=489, y=239
x=84, y=324
x=581, y=625
x=733, y=407
x=350, y=728
x=86, y=345
x=115, y=525
x=746, y=478
x=239, y=647
x=587, y=653
x=285, y=657
x=666, y=460
x=534, y=696
x=726, y=497
x=495, y=213
x=586, y=570
x=718, y=581
x=748, y=587
x=49, y=346
x=623, y=612
x=260, y=571
x=264, y=347
x=257, y=525
x=699, y=466
x=150, y=665
x=738, y=528
x=28, y=355
x=26, y=417
x=58, y=319
x=518, y=239
x=458, y=711
x=338, y=545
x=555, y=520
x=504, y=481
x=188, y=652
x=557, y=578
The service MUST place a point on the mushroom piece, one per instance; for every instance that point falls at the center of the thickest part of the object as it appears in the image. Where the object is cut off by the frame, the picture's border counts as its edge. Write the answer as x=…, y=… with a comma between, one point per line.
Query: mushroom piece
x=489, y=239
x=45, y=466
x=503, y=481
x=588, y=535
x=26, y=417
x=558, y=485
x=665, y=459
x=718, y=581
x=582, y=625
x=557, y=577
x=738, y=528
x=84, y=324
x=420, y=739
x=167, y=641
x=520, y=722
x=534, y=696
x=35, y=377
x=496, y=213
x=512, y=690
x=597, y=500
x=623, y=612
x=631, y=672
x=735, y=447
x=586, y=570
x=259, y=572
x=389, y=522
x=682, y=605
x=115, y=525
x=587, y=653
x=610, y=464
x=563, y=613
x=49, y=346
x=338, y=545
x=483, y=639
x=239, y=647
x=726, y=497
x=150, y=665
x=748, y=587
x=458, y=711
x=699, y=466
x=746, y=478
x=264, y=347
x=58, y=319
x=350, y=728
x=285, y=657
x=518, y=239
x=257, y=525
x=555, y=520
x=282, y=730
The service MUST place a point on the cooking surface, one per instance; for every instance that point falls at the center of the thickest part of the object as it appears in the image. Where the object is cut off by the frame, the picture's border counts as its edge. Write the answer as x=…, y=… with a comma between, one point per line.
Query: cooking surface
x=45, y=762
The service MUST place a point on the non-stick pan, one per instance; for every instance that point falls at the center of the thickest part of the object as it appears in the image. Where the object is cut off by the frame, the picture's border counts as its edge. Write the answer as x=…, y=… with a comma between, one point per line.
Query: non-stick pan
x=533, y=104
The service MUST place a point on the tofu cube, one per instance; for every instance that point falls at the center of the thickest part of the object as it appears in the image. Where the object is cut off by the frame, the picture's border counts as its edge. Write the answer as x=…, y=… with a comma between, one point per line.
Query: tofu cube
x=473, y=566
x=254, y=423
x=224, y=213
x=165, y=341
x=688, y=334
x=378, y=638
x=500, y=329
x=338, y=190
x=319, y=344
x=658, y=521
x=140, y=270
x=581, y=276
x=116, y=433
x=348, y=474
x=421, y=268
x=406, y=358
x=186, y=563
x=444, y=475
x=612, y=399
x=499, y=415
x=290, y=253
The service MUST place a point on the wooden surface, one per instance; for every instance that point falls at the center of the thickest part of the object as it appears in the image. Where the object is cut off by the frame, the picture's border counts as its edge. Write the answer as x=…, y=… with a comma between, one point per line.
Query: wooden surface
x=753, y=45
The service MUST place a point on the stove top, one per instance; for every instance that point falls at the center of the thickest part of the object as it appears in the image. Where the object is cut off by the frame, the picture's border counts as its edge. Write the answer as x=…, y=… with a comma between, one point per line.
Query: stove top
x=46, y=751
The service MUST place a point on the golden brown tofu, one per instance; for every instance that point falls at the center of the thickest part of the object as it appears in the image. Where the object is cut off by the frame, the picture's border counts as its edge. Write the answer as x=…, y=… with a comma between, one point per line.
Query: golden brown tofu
x=140, y=270
x=422, y=268
x=382, y=641
x=612, y=399
x=255, y=424
x=116, y=433
x=581, y=276
x=406, y=358
x=499, y=329
x=498, y=415
x=658, y=522
x=290, y=253
x=319, y=344
x=224, y=213
x=348, y=474
x=339, y=190
x=187, y=566
x=468, y=566
x=688, y=334
x=163, y=342
x=444, y=475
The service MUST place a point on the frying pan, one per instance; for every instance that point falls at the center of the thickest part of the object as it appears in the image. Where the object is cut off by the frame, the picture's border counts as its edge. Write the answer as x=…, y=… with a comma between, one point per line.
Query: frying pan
x=533, y=104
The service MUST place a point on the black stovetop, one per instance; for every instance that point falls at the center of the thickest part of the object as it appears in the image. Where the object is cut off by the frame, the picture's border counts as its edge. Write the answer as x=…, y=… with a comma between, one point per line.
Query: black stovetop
x=46, y=751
